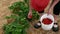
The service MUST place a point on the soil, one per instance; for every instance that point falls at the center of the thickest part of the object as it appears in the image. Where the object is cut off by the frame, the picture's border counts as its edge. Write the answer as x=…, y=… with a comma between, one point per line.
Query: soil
x=4, y=11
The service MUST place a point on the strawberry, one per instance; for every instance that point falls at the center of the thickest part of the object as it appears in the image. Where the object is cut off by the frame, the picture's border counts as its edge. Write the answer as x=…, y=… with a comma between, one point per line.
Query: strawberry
x=30, y=15
x=47, y=21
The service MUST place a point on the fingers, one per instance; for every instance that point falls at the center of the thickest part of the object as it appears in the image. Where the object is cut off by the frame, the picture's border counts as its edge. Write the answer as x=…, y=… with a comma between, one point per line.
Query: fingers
x=30, y=15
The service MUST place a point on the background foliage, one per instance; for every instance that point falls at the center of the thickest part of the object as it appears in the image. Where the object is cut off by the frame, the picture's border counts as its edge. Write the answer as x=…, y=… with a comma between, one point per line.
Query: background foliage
x=19, y=15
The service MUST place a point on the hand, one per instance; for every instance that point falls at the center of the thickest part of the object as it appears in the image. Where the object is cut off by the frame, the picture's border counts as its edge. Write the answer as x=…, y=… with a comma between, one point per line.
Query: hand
x=30, y=14
x=50, y=11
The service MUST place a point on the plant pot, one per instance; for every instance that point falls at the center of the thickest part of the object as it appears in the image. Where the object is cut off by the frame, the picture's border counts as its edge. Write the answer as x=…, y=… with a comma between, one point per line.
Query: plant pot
x=45, y=26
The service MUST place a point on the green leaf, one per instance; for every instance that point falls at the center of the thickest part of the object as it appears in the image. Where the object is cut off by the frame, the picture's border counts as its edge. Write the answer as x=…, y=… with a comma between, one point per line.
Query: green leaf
x=7, y=17
x=19, y=13
x=26, y=1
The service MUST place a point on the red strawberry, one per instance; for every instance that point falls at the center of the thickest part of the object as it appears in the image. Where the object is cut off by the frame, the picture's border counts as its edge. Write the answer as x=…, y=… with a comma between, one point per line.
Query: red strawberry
x=30, y=15
x=47, y=21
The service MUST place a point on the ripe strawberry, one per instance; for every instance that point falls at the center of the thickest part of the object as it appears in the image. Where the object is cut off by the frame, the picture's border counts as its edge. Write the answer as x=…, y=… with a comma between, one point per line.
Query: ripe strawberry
x=30, y=14
x=47, y=21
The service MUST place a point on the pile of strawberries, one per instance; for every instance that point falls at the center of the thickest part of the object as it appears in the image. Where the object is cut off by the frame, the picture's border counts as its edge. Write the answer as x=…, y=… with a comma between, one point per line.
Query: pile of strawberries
x=47, y=21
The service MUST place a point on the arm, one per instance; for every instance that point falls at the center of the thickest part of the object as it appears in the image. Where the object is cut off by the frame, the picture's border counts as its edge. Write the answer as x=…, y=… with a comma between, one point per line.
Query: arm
x=30, y=10
x=54, y=2
x=51, y=6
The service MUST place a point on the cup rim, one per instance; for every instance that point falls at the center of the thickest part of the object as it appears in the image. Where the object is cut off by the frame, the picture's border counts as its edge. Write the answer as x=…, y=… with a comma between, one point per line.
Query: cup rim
x=47, y=17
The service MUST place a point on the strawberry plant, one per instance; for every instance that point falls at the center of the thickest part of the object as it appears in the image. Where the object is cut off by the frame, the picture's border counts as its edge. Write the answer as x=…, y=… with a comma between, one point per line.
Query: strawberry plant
x=19, y=14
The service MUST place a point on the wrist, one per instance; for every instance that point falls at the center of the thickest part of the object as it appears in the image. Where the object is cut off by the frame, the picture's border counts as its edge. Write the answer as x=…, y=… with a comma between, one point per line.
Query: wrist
x=51, y=8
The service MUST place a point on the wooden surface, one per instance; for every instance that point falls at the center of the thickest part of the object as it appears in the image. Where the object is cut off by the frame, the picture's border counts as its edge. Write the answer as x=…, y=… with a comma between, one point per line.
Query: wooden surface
x=4, y=11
